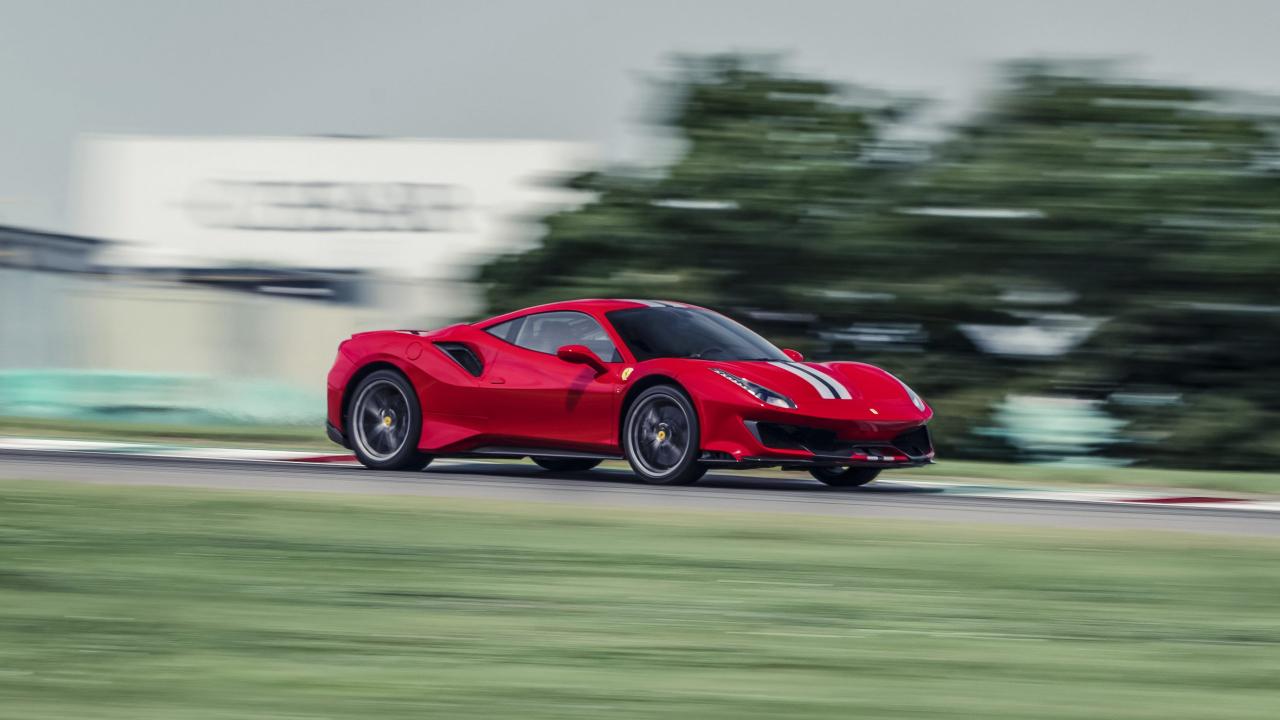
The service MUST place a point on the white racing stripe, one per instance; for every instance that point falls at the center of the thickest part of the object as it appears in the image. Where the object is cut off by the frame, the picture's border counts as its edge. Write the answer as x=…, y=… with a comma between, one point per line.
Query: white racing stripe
x=824, y=391
x=841, y=391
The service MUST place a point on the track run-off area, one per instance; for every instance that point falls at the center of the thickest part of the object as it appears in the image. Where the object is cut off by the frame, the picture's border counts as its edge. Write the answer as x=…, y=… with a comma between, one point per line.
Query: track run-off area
x=720, y=490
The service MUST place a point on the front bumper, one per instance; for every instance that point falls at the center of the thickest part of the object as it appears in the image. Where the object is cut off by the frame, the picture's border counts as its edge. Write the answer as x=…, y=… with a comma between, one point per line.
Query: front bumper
x=759, y=439
x=825, y=447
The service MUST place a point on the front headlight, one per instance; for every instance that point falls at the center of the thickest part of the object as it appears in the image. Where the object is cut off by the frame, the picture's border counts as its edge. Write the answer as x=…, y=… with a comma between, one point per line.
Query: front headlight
x=759, y=392
x=915, y=399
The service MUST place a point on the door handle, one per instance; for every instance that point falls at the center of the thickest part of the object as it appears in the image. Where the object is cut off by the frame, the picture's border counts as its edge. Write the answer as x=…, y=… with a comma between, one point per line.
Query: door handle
x=497, y=381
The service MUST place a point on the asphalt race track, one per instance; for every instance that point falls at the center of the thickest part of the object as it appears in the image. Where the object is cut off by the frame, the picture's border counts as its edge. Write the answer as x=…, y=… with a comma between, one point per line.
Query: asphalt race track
x=718, y=491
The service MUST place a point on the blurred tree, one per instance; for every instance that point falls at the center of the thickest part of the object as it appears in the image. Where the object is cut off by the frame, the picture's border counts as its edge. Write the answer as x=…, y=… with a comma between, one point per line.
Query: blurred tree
x=772, y=165
x=1148, y=208
x=1075, y=182
x=1081, y=236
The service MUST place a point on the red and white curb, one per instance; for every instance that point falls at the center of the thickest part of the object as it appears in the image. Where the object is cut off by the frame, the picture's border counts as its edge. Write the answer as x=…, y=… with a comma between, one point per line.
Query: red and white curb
x=1121, y=496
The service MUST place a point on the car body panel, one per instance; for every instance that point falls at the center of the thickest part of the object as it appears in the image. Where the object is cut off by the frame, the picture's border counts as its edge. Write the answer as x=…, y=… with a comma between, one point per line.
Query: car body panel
x=528, y=399
x=533, y=397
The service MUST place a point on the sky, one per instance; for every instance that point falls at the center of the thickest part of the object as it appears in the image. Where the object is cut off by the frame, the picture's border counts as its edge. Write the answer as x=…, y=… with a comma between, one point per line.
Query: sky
x=555, y=69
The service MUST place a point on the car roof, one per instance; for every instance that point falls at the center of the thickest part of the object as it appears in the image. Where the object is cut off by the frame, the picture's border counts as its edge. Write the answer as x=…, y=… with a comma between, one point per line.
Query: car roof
x=598, y=305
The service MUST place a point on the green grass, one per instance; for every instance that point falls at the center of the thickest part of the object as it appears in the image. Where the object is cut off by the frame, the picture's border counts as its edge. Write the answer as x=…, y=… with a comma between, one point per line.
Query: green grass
x=162, y=603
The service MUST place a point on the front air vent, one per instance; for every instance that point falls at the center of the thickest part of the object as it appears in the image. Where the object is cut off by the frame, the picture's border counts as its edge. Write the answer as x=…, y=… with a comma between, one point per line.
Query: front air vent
x=915, y=443
x=799, y=437
x=462, y=355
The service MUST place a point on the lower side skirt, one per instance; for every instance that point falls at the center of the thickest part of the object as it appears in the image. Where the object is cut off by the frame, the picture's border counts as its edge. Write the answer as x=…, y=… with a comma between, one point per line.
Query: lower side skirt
x=515, y=453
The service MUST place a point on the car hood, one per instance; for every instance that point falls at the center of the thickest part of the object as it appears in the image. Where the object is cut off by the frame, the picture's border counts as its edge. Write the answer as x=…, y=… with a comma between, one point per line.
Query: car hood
x=831, y=384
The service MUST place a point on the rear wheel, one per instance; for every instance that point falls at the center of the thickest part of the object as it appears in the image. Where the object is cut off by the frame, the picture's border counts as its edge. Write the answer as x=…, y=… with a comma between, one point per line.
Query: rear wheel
x=660, y=437
x=385, y=423
x=555, y=464
x=843, y=476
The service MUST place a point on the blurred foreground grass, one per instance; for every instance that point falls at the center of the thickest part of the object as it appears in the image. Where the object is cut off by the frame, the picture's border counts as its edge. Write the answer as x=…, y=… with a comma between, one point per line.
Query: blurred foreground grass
x=160, y=603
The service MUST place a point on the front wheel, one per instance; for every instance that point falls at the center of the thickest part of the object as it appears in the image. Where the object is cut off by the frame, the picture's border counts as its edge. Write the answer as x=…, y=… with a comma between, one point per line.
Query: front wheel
x=385, y=422
x=844, y=476
x=660, y=437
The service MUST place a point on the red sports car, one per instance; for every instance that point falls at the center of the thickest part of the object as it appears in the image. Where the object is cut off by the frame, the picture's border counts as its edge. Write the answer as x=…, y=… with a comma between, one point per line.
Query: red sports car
x=673, y=388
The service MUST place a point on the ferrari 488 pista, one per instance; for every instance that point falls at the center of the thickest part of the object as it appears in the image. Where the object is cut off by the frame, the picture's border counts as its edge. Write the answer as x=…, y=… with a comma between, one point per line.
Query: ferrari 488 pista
x=672, y=388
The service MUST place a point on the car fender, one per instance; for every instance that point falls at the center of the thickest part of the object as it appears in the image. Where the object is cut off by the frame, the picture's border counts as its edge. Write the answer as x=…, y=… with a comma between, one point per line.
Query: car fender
x=364, y=353
x=693, y=378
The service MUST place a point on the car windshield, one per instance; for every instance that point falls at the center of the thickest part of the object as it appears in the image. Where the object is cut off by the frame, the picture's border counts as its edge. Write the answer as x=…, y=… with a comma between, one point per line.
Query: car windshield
x=676, y=332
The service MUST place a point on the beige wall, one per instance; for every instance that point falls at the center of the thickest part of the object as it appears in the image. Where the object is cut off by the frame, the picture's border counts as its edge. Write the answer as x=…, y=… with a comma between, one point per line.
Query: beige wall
x=152, y=326
x=167, y=328
x=38, y=319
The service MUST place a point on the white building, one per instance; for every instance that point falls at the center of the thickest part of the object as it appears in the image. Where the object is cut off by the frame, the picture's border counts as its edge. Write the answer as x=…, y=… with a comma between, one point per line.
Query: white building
x=418, y=209
x=238, y=263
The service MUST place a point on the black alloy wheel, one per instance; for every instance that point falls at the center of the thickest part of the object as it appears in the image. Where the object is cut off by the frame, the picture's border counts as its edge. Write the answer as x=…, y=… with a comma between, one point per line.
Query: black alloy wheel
x=660, y=437
x=385, y=422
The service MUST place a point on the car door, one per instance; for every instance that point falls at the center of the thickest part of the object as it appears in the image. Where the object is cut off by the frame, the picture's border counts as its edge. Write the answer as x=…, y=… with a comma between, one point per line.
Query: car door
x=535, y=398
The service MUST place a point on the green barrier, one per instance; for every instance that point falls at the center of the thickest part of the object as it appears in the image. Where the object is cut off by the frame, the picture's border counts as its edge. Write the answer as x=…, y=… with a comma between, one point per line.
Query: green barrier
x=155, y=398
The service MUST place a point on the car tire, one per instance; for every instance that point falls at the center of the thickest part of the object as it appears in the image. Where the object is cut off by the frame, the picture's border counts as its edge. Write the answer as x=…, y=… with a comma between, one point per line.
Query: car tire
x=556, y=464
x=660, y=436
x=384, y=423
x=844, y=476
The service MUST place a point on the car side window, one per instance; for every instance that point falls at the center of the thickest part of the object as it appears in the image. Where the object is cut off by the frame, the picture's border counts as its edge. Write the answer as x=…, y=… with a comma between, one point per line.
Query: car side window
x=507, y=330
x=550, y=331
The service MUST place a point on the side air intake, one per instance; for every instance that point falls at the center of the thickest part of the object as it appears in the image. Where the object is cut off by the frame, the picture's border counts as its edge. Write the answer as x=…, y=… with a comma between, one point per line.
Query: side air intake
x=462, y=355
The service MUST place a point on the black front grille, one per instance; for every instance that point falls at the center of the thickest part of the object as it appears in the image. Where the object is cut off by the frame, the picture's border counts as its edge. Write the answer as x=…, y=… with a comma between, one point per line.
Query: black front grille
x=915, y=443
x=824, y=443
x=798, y=437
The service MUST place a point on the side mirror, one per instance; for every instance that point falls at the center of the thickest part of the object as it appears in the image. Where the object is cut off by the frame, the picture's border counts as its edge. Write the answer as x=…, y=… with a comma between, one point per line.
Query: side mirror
x=582, y=355
x=793, y=354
